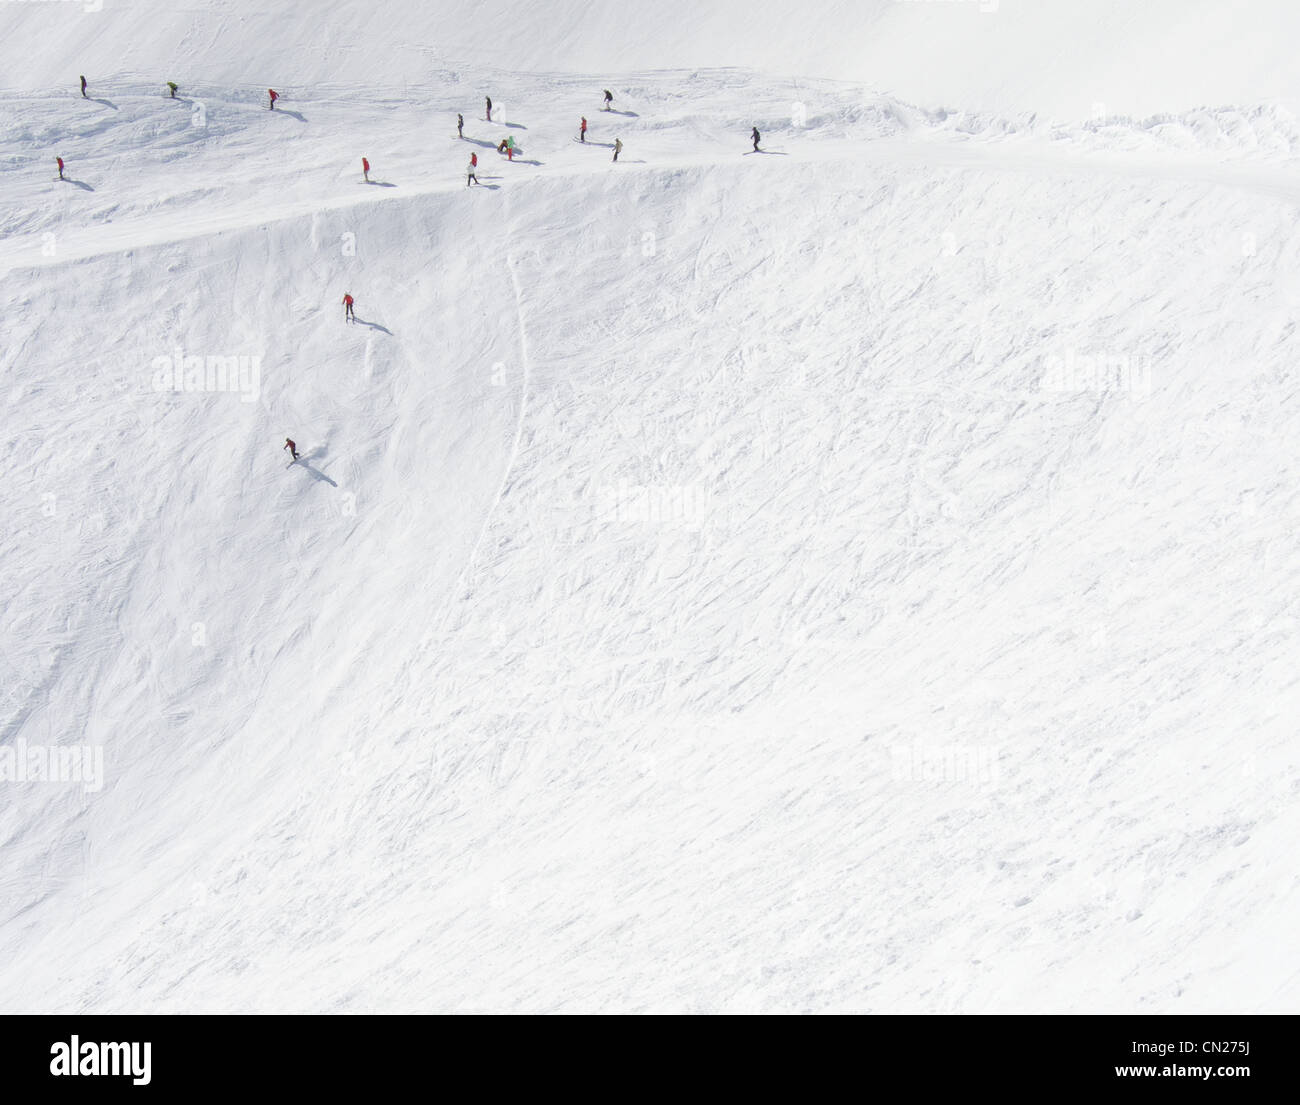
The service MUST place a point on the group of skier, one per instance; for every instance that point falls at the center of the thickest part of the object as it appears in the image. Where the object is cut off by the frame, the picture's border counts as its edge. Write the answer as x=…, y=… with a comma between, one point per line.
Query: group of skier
x=172, y=88
x=506, y=146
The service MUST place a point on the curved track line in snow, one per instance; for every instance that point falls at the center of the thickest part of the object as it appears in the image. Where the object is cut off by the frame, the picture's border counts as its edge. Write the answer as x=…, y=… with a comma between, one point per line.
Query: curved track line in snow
x=526, y=377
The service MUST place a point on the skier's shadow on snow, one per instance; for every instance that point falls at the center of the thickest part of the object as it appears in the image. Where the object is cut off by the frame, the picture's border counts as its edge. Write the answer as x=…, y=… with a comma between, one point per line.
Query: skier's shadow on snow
x=607, y=145
x=527, y=161
x=629, y=114
x=482, y=142
x=296, y=114
x=316, y=473
x=771, y=153
x=380, y=184
x=79, y=183
x=515, y=126
x=373, y=325
x=106, y=103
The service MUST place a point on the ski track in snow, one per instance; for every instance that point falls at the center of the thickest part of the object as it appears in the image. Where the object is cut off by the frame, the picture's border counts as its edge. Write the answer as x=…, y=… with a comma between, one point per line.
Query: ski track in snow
x=515, y=442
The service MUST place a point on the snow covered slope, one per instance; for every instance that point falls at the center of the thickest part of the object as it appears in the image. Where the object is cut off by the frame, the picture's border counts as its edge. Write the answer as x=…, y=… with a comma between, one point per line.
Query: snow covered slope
x=853, y=577
x=1056, y=57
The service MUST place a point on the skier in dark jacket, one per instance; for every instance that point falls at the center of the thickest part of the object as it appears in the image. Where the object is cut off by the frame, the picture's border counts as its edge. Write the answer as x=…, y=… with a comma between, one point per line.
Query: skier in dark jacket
x=460, y=125
x=488, y=100
x=609, y=99
x=754, y=136
x=83, y=88
x=618, y=147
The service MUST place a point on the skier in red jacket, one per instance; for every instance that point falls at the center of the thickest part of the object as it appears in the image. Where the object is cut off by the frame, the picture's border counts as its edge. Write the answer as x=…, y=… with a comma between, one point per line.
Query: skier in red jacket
x=347, y=308
x=472, y=178
x=274, y=96
x=365, y=169
x=60, y=161
x=293, y=449
x=582, y=133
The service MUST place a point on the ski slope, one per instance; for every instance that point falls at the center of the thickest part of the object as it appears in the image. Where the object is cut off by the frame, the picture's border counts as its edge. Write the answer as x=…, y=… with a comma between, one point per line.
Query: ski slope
x=1053, y=58
x=856, y=576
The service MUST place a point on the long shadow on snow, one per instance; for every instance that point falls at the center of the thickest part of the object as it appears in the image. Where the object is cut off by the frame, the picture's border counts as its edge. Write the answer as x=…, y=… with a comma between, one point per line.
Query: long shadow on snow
x=380, y=184
x=296, y=114
x=316, y=473
x=106, y=103
x=79, y=183
x=373, y=325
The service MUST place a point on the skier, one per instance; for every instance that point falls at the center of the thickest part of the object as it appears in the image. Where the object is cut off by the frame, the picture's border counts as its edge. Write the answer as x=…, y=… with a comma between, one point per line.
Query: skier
x=489, y=107
x=510, y=147
x=60, y=161
x=172, y=86
x=754, y=136
x=293, y=449
x=609, y=99
x=365, y=169
x=460, y=125
x=274, y=96
x=83, y=89
x=472, y=178
x=348, y=316
x=582, y=132
x=501, y=146
x=618, y=147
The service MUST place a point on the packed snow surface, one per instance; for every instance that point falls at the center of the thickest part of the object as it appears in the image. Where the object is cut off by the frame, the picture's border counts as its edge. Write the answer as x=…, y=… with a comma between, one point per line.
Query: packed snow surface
x=860, y=575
